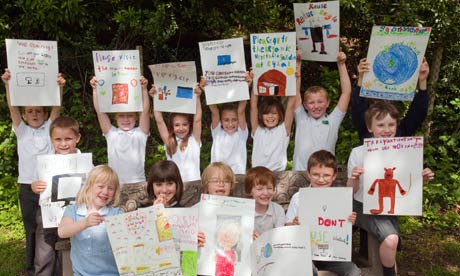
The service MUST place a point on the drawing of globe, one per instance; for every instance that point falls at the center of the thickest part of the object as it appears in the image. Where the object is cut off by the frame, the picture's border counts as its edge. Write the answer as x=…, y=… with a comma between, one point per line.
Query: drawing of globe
x=268, y=250
x=395, y=65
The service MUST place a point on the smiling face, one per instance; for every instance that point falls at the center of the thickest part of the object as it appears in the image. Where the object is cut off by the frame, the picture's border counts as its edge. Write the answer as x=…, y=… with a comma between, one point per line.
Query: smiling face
x=64, y=140
x=102, y=194
x=181, y=126
x=321, y=176
x=218, y=185
x=229, y=121
x=271, y=119
x=34, y=116
x=383, y=128
x=316, y=103
x=126, y=120
x=263, y=194
x=167, y=189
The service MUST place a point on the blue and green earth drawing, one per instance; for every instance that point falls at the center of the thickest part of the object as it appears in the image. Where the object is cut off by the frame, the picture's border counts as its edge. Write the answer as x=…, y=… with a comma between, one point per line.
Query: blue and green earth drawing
x=395, y=65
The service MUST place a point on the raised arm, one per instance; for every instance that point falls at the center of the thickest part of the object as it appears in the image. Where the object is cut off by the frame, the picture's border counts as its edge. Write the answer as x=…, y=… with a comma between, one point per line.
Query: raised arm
x=298, y=75
x=103, y=118
x=15, y=113
x=158, y=115
x=242, y=114
x=254, y=112
x=56, y=110
x=215, y=117
x=289, y=114
x=345, y=84
x=144, y=118
x=198, y=114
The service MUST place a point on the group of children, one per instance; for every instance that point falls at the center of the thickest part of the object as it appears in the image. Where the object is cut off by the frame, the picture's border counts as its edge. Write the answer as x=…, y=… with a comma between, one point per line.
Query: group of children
x=271, y=123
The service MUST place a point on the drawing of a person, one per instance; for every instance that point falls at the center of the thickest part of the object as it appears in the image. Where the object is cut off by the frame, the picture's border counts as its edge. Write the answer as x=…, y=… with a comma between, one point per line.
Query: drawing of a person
x=316, y=29
x=228, y=233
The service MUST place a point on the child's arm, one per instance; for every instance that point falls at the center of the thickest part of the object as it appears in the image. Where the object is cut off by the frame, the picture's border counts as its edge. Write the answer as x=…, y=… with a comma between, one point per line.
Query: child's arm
x=298, y=74
x=242, y=115
x=158, y=115
x=345, y=84
x=353, y=180
x=68, y=228
x=352, y=218
x=215, y=117
x=144, y=118
x=359, y=104
x=38, y=186
x=56, y=110
x=15, y=113
x=198, y=114
x=289, y=114
x=254, y=112
x=103, y=118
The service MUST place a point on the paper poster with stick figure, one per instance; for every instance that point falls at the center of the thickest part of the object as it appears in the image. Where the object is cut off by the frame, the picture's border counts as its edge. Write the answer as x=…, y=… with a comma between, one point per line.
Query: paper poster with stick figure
x=317, y=27
x=326, y=211
x=34, y=71
x=282, y=251
x=118, y=80
x=395, y=55
x=393, y=182
x=227, y=223
x=175, y=84
x=273, y=57
x=224, y=69
x=142, y=242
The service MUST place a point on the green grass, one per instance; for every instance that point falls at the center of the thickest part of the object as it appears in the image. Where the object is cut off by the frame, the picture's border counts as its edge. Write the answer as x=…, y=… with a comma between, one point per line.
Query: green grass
x=12, y=250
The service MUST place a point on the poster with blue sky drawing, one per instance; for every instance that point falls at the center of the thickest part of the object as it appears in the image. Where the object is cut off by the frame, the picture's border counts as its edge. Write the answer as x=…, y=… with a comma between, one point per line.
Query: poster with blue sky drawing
x=395, y=55
x=318, y=27
x=175, y=83
x=326, y=211
x=273, y=57
x=392, y=179
x=224, y=68
x=118, y=80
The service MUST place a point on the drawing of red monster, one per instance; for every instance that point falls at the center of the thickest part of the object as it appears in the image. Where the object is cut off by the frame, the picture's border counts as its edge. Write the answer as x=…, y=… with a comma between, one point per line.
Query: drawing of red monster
x=387, y=188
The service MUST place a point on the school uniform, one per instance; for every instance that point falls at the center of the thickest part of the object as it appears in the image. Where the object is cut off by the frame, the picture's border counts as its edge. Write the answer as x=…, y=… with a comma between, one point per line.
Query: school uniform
x=273, y=217
x=270, y=148
x=188, y=161
x=230, y=148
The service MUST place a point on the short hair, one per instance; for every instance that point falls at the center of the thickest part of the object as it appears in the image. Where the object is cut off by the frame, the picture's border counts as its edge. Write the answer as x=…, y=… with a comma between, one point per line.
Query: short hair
x=268, y=103
x=99, y=174
x=224, y=169
x=23, y=108
x=65, y=122
x=322, y=158
x=228, y=107
x=315, y=89
x=379, y=110
x=165, y=171
x=258, y=176
x=171, y=145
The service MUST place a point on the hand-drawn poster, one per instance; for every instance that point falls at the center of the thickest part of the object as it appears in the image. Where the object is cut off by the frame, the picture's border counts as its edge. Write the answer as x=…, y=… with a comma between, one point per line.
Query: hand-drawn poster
x=318, y=26
x=282, y=251
x=142, y=242
x=184, y=228
x=64, y=175
x=175, y=83
x=224, y=69
x=326, y=211
x=228, y=223
x=393, y=182
x=273, y=57
x=395, y=55
x=118, y=80
x=34, y=71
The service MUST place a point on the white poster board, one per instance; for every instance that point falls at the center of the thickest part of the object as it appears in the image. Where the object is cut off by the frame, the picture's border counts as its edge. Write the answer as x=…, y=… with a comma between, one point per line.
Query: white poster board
x=224, y=69
x=118, y=80
x=326, y=211
x=64, y=175
x=175, y=83
x=393, y=182
x=142, y=242
x=318, y=27
x=282, y=251
x=184, y=228
x=273, y=57
x=34, y=71
x=395, y=55
x=228, y=223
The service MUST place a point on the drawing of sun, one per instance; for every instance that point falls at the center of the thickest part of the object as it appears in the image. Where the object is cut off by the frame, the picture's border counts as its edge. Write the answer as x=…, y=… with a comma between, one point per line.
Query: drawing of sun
x=290, y=71
x=395, y=64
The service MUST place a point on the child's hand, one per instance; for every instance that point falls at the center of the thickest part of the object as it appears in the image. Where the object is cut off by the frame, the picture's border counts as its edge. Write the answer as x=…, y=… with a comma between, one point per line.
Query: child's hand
x=201, y=239
x=93, y=219
x=153, y=91
x=255, y=235
x=341, y=57
x=427, y=174
x=363, y=66
x=161, y=199
x=203, y=82
x=352, y=218
x=198, y=89
x=93, y=82
x=144, y=82
x=356, y=172
x=249, y=76
x=298, y=64
x=60, y=80
x=6, y=76
x=38, y=186
x=424, y=70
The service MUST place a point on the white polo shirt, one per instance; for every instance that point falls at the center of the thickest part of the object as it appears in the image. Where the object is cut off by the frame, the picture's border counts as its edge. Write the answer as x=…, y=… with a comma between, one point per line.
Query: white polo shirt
x=188, y=160
x=356, y=159
x=230, y=148
x=274, y=217
x=270, y=148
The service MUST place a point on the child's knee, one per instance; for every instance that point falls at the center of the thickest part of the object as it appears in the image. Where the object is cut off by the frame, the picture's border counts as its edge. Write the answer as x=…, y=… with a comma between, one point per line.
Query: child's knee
x=391, y=241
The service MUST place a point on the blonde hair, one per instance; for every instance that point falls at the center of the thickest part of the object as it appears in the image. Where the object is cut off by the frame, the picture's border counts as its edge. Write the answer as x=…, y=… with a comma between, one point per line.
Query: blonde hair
x=224, y=169
x=313, y=90
x=65, y=122
x=104, y=174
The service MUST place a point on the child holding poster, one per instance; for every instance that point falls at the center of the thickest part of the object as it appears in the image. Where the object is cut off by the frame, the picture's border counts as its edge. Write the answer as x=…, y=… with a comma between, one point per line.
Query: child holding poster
x=382, y=121
x=32, y=132
x=83, y=223
x=182, y=137
x=164, y=184
x=315, y=129
x=322, y=172
x=126, y=144
x=260, y=185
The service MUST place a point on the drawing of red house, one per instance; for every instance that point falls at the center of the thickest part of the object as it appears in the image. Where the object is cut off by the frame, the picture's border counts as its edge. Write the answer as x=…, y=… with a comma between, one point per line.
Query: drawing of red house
x=272, y=83
x=119, y=93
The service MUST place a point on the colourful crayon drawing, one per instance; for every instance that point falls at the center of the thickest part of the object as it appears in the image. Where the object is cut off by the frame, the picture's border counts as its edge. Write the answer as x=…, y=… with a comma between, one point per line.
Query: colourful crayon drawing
x=163, y=93
x=120, y=93
x=386, y=188
x=227, y=237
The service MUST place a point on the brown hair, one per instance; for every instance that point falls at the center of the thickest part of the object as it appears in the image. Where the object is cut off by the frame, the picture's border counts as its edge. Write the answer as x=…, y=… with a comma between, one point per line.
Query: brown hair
x=313, y=90
x=266, y=107
x=228, y=107
x=379, y=110
x=322, y=158
x=65, y=122
x=258, y=176
x=222, y=167
x=99, y=174
x=171, y=145
x=165, y=171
